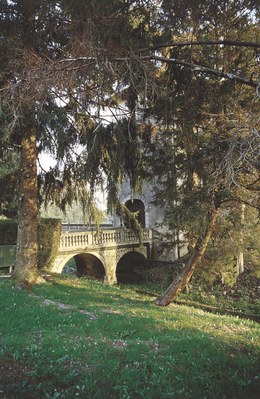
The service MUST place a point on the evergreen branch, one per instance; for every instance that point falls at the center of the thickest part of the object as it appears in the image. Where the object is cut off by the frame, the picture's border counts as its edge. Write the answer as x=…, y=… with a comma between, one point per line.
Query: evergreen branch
x=249, y=186
x=8, y=145
x=201, y=43
x=236, y=198
x=203, y=69
x=40, y=165
x=197, y=68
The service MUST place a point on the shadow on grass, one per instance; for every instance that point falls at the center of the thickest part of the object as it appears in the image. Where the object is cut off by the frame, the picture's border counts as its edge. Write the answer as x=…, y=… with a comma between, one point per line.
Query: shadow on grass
x=132, y=349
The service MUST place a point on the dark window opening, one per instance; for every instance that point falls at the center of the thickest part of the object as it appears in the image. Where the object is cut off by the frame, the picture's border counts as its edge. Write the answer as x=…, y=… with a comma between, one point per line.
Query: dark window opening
x=137, y=205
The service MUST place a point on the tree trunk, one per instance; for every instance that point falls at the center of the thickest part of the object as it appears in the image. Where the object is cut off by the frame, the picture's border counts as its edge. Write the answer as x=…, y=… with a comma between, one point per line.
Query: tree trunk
x=180, y=282
x=240, y=254
x=26, y=270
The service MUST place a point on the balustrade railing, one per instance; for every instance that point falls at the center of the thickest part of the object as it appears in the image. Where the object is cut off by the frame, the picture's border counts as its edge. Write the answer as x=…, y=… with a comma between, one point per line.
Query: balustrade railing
x=112, y=237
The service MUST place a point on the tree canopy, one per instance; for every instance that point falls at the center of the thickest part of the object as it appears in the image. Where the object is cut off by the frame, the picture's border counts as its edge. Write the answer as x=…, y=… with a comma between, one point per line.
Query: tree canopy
x=177, y=79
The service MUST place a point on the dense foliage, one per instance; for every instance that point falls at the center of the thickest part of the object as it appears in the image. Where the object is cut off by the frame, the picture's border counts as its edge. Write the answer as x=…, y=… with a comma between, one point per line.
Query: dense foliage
x=8, y=232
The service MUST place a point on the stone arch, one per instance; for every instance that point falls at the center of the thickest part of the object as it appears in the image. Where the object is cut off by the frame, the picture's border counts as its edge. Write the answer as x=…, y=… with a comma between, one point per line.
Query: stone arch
x=89, y=265
x=131, y=267
x=137, y=205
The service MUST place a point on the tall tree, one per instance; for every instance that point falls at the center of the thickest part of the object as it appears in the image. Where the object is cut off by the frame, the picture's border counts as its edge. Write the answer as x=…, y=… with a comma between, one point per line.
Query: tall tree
x=33, y=34
x=56, y=75
x=203, y=118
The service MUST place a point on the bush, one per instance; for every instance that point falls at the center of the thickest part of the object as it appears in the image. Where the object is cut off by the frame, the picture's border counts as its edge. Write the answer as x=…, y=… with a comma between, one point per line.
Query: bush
x=161, y=274
x=49, y=231
x=217, y=266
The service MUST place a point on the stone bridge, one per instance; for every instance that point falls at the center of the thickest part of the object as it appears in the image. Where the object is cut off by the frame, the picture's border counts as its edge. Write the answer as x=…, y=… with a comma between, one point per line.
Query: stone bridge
x=106, y=254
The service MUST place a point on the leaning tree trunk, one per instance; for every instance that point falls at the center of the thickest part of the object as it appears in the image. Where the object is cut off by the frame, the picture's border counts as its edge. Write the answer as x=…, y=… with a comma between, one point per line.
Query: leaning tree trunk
x=180, y=282
x=26, y=270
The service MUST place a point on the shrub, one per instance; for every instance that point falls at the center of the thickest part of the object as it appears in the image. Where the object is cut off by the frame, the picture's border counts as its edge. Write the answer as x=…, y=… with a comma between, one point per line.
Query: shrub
x=162, y=274
x=49, y=231
x=8, y=232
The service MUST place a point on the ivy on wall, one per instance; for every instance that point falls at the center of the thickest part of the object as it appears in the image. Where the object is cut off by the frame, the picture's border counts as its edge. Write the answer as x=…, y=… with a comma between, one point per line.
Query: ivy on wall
x=49, y=231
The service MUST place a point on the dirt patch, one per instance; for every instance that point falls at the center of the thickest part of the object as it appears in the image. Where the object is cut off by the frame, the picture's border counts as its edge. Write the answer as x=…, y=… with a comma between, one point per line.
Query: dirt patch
x=60, y=305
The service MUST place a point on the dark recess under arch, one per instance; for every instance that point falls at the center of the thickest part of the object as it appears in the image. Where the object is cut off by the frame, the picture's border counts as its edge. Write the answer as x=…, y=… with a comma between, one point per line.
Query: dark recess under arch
x=85, y=265
x=131, y=268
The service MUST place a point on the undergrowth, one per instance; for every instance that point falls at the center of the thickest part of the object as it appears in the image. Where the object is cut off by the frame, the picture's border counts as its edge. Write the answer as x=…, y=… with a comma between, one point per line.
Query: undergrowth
x=243, y=296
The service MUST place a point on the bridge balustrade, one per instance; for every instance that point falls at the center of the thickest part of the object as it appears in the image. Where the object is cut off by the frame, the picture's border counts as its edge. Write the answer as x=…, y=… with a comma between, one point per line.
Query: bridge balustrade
x=70, y=240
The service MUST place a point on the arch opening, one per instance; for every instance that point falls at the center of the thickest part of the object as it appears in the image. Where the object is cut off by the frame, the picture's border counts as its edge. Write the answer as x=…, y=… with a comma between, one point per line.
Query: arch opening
x=85, y=265
x=131, y=268
x=137, y=205
x=70, y=267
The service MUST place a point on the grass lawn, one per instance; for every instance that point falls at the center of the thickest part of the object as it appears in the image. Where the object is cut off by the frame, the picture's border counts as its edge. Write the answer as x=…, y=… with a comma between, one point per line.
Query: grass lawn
x=72, y=338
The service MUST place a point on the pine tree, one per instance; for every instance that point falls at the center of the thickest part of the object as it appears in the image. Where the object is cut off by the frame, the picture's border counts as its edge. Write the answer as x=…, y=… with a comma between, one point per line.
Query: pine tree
x=34, y=33
x=202, y=120
x=59, y=62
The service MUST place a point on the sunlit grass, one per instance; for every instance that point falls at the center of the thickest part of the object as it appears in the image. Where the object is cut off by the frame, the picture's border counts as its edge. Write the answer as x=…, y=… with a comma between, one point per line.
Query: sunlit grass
x=72, y=338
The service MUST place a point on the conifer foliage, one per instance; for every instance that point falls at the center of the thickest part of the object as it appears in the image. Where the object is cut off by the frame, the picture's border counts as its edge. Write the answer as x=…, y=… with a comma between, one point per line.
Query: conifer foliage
x=177, y=79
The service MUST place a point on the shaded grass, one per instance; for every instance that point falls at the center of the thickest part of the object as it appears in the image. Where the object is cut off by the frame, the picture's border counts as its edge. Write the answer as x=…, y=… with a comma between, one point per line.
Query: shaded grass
x=93, y=341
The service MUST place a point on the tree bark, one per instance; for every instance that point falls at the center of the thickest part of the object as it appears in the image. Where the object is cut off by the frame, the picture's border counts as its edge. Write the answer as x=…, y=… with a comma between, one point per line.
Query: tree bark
x=26, y=270
x=180, y=282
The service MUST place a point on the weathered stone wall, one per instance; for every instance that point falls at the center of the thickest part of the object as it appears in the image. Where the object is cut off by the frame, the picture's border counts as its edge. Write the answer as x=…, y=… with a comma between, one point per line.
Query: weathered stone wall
x=153, y=215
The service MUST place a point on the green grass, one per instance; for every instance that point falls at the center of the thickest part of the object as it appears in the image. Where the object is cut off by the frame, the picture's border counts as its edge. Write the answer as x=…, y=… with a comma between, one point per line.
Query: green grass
x=72, y=338
x=244, y=300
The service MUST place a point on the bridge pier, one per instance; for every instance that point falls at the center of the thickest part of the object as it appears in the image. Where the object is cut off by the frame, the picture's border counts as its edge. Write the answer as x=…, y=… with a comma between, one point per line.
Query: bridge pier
x=110, y=263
